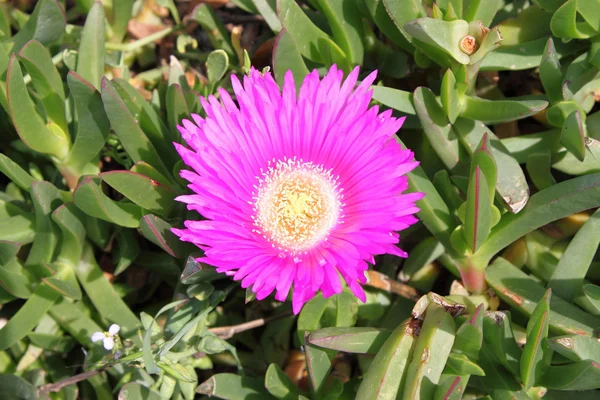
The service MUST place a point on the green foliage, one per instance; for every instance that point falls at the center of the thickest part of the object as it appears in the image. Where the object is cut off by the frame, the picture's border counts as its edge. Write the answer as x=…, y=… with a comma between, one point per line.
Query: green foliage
x=501, y=104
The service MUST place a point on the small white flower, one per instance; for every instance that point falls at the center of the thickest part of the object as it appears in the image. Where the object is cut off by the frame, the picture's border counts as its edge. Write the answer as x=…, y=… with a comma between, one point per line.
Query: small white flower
x=107, y=338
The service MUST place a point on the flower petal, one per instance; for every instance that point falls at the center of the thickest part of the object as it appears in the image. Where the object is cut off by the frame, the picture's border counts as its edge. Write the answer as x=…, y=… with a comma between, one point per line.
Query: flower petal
x=97, y=336
x=109, y=343
x=114, y=329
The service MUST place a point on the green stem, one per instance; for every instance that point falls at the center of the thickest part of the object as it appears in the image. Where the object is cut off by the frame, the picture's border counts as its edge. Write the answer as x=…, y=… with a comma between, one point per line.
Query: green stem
x=143, y=41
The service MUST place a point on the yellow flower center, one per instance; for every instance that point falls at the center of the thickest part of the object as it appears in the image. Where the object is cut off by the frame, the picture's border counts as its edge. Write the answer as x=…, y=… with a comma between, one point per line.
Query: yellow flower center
x=297, y=204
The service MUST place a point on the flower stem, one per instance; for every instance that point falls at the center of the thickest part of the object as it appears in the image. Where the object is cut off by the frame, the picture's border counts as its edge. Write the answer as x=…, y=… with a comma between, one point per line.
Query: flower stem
x=143, y=41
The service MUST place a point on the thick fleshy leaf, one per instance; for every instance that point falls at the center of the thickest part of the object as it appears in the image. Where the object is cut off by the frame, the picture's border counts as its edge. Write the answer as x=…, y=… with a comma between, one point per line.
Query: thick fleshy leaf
x=137, y=391
x=576, y=347
x=90, y=199
x=592, y=295
x=177, y=107
x=28, y=315
x=451, y=387
x=346, y=26
x=478, y=218
x=268, y=10
x=434, y=213
x=46, y=24
x=233, y=387
x=539, y=169
x=397, y=99
x=361, y=340
x=386, y=376
x=497, y=111
x=286, y=56
x=482, y=10
x=150, y=121
x=427, y=251
x=500, y=341
x=460, y=364
x=142, y=190
x=92, y=123
x=46, y=80
x=134, y=140
x=565, y=24
x=15, y=173
x=559, y=201
x=218, y=35
x=14, y=282
x=451, y=103
x=378, y=10
x=63, y=280
x=550, y=73
x=159, y=232
x=90, y=58
x=18, y=228
x=523, y=293
x=313, y=43
x=537, y=355
x=103, y=295
x=582, y=375
x=438, y=130
x=46, y=198
x=568, y=277
x=431, y=351
x=216, y=66
x=28, y=123
x=434, y=37
x=68, y=218
x=469, y=336
x=573, y=135
x=524, y=55
x=127, y=250
x=279, y=384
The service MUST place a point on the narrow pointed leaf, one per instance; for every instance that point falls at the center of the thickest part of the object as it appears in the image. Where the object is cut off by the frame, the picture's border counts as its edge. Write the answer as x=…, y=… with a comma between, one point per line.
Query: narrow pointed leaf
x=431, y=351
x=159, y=232
x=312, y=42
x=46, y=81
x=92, y=123
x=28, y=123
x=28, y=316
x=537, y=355
x=478, y=213
x=286, y=56
x=141, y=190
x=559, y=201
x=233, y=387
x=572, y=135
x=90, y=58
x=438, y=130
x=89, y=198
x=132, y=137
x=499, y=339
x=350, y=340
x=386, y=376
x=568, y=277
x=576, y=347
x=582, y=375
x=523, y=293
x=46, y=24
x=449, y=96
x=279, y=384
x=550, y=73
x=497, y=111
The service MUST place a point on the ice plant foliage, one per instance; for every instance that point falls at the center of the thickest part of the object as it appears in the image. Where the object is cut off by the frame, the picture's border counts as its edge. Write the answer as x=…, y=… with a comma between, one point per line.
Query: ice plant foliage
x=297, y=189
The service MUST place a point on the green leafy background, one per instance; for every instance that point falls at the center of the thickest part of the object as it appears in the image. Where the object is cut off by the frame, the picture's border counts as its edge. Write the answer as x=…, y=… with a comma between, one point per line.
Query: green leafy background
x=499, y=298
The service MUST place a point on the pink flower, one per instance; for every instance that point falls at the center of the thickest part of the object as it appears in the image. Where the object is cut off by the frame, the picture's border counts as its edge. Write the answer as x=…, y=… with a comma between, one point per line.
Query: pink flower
x=297, y=190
